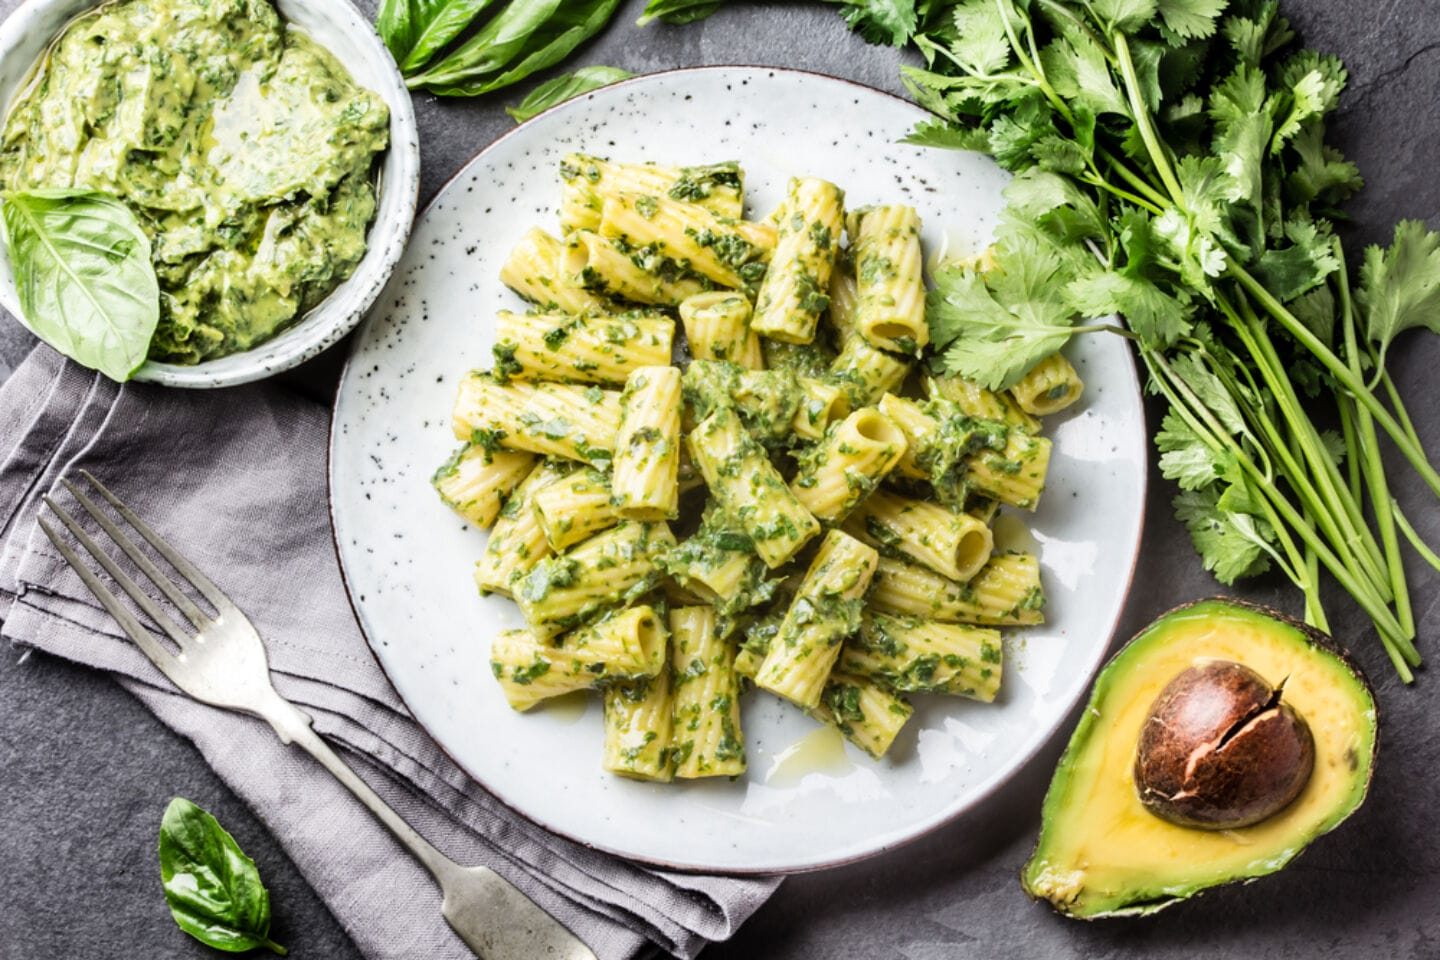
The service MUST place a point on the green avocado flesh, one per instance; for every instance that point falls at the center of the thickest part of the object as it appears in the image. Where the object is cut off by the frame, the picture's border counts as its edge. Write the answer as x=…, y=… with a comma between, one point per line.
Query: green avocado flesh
x=1101, y=853
x=242, y=146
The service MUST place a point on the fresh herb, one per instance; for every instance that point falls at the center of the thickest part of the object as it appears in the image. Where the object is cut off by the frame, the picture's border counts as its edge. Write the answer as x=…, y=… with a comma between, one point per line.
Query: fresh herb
x=213, y=889
x=1171, y=168
x=565, y=87
x=521, y=39
x=677, y=11
x=86, y=283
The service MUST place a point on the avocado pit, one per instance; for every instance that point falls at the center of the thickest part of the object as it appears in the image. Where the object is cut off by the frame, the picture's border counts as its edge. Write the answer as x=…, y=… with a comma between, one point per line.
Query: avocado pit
x=1220, y=749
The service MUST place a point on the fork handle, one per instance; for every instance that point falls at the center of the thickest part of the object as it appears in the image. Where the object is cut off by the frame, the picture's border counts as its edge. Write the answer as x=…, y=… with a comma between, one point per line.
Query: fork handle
x=293, y=725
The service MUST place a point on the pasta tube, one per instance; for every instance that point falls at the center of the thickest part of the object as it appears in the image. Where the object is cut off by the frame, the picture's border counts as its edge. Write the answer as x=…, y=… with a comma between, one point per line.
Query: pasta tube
x=591, y=349
x=826, y=610
x=867, y=714
x=533, y=271
x=866, y=372
x=811, y=359
x=1013, y=475
x=749, y=488
x=773, y=404
x=795, y=291
x=732, y=253
x=717, y=327
x=586, y=181
x=925, y=656
x=645, y=483
x=551, y=419
x=475, y=481
x=890, y=279
x=608, y=570
x=708, y=741
x=517, y=541
x=954, y=545
x=975, y=401
x=720, y=566
x=843, y=469
x=844, y=296
x=1049, y=387
x=574, y=508
x=627, y=644
x=617, y=268
x=638, y=725
x=1006, y=592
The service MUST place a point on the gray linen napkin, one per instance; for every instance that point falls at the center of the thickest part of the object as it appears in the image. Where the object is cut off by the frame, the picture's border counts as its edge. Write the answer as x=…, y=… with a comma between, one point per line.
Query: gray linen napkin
x=236, y=480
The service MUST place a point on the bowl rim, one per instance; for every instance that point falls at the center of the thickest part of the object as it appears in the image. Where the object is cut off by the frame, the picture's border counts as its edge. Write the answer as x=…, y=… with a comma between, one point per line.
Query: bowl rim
x=397, y=183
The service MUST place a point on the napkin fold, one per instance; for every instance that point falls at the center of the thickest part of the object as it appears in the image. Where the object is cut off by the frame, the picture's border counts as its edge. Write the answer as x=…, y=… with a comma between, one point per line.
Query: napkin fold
x=236, y=480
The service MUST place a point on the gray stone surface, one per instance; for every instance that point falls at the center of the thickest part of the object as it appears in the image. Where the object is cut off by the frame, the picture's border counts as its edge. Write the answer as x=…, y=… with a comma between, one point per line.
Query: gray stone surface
x=85, y=771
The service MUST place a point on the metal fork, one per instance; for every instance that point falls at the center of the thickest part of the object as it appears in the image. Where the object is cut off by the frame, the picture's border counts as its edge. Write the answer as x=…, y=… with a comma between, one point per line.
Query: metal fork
x=222, y=662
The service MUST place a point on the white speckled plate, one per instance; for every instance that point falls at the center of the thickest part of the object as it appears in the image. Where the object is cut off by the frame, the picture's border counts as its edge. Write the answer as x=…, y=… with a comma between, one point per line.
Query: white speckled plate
x=408, y=559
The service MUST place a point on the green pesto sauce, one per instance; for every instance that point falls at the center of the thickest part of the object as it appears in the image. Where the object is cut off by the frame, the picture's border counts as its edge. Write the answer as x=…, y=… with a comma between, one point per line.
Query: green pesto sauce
x=243, y=147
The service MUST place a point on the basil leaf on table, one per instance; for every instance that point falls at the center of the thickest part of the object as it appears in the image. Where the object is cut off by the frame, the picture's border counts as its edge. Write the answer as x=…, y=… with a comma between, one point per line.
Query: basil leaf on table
x=416, y=30
x=565, y=87
x=551, y=43
x=494, y=46
x=677, y=11
x=213, y=889
x=83, y=272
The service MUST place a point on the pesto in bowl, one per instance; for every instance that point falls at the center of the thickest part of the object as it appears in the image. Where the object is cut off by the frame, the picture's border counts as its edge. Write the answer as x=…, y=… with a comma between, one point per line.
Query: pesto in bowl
x=243, y=147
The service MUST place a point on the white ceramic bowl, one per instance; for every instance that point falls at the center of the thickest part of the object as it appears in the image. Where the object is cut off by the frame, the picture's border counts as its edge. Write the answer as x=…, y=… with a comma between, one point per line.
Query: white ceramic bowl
x=345, y=32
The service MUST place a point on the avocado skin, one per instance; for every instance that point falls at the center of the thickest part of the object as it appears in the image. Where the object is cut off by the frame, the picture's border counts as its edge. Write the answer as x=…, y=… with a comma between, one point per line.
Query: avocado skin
x=1142, y=904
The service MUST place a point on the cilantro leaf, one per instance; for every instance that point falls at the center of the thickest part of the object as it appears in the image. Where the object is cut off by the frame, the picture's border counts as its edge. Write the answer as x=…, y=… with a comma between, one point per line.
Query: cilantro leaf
x=880, y=22
x=938, y=133
x=1400, y=286
x=1184, y=457
x=1191, y=19
x=1290, y=271
x=1231, y=545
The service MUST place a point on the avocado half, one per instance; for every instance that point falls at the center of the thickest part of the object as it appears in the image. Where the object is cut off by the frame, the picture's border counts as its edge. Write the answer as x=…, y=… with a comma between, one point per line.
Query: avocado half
x=1102, y=854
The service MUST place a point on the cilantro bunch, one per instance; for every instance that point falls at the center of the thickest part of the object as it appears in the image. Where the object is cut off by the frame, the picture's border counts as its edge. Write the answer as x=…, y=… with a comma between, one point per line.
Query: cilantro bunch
x=1171, y=167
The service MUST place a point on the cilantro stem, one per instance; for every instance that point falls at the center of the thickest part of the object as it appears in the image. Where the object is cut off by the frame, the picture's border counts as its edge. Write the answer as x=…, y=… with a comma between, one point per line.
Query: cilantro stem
x=1324, y=476
x=1352, y=448
x=1134, y=179
x=1157, y=152
x=1420, y=546
x=1341, y=372
x=1401, y=413
x=1182, y=398
x=1373, y=468
x=1095, y=180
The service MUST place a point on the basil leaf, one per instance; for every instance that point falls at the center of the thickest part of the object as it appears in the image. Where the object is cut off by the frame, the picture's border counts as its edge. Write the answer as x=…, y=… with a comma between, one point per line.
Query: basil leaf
x=83, y=271
x=547, y=46
x=677, y=11
x=435, y=24
x=497, y=43
x=565, y=87
x=213, y=889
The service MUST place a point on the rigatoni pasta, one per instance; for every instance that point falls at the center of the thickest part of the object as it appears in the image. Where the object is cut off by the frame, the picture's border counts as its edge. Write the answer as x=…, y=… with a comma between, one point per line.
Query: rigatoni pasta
x=589, y=349
x=551, y=419
x=646, y=483
x=706, y=736
x=846, y=466
x=749, y=488
x=517, y=541
x=534, y=271
x=717, y=327
x=475, y=481
x=586, y=181
x=826, y=610
x=889, y=277
x=781, y=508
x=795, y=291
x=1049, y=387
